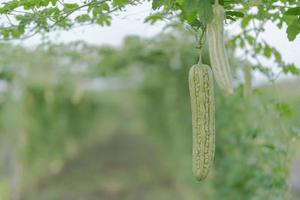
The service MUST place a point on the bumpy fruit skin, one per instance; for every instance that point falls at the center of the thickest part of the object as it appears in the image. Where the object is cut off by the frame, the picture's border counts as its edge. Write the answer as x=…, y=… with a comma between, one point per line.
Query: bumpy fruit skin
x=203, y=119
x=217, y=52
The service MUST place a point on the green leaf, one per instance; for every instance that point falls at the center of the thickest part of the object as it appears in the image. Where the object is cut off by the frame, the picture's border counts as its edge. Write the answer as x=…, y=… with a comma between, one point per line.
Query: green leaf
x=293, y=11
x=231, y=18
x=196, y=23
x=245, y=21
x=205, y=11
x=154, y=18
x=279, y=24
x=283, y=109
x=157, y=4
x=293, y=30
x=119, y=3
x=191, y=6
x=189, y=17
x=234, y=14
x=70, y=6
x=53, y=2
x=104, y=20
x=104, y=6
x=180, y=2
x=291, y=68
x=277, y=55
x=250, y=39
x=267, y=51
x=83, y=18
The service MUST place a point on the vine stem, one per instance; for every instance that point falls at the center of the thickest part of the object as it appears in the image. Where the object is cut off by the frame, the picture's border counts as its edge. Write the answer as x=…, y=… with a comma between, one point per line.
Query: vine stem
x=201, y=43
x=200, y=57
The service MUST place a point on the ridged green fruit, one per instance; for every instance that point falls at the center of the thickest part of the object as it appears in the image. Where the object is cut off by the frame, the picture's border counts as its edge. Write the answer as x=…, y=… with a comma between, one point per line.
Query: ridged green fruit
x=217, y=51
x=203, y=119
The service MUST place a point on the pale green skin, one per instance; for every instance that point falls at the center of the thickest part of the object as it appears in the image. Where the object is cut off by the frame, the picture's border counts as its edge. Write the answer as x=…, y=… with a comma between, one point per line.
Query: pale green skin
x=217, y=51
x=203, y=119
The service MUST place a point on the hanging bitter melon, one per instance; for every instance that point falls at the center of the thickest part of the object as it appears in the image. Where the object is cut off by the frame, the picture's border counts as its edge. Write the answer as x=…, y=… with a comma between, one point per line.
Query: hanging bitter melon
x=203, y=119
x=217, y=51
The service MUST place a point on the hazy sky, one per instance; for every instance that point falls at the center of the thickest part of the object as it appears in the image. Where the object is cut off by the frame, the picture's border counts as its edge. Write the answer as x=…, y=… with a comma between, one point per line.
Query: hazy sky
x=126, y=23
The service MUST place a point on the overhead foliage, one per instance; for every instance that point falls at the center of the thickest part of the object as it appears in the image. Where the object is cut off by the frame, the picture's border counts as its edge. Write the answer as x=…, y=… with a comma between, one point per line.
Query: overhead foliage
x=31, y=16
x=24, y=18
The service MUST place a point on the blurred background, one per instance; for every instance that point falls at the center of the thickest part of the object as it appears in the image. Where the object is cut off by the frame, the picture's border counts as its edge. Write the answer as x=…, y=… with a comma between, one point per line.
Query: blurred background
x=113, y=121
